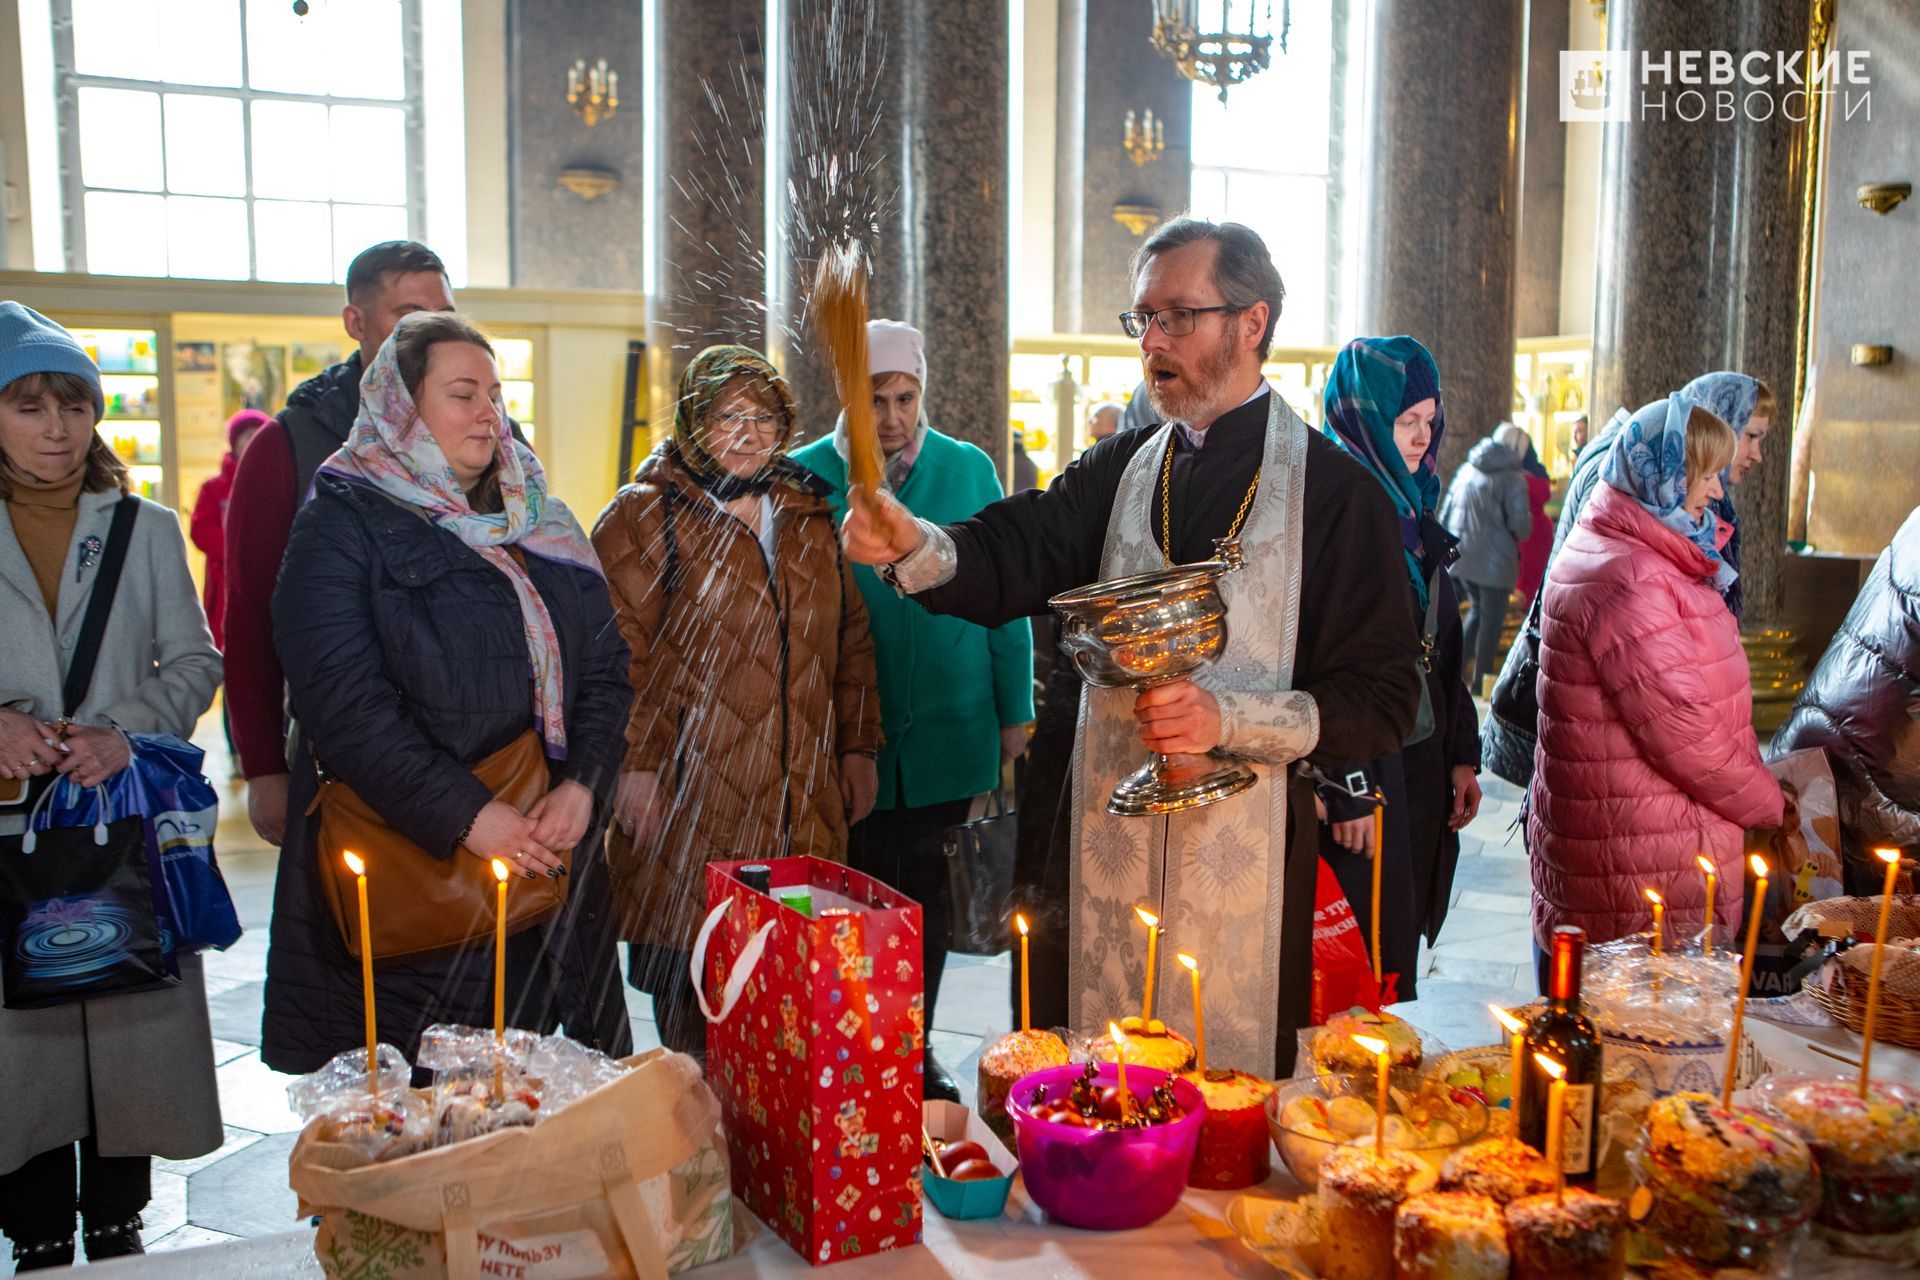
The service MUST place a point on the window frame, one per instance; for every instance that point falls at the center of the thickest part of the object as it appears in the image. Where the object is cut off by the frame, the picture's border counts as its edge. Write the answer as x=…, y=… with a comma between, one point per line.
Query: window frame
x=68, y=83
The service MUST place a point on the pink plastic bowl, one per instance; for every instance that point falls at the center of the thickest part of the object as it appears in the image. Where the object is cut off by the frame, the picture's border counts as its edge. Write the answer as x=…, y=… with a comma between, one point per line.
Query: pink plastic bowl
x=1104, y=1181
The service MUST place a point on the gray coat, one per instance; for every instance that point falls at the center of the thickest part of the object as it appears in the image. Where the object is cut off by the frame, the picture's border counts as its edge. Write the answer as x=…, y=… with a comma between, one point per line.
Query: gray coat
x=1486, y=508
x=143, y=1063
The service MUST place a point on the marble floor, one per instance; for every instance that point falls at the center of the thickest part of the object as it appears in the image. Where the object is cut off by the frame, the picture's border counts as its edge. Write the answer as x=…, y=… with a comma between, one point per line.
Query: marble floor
x=241, y=1190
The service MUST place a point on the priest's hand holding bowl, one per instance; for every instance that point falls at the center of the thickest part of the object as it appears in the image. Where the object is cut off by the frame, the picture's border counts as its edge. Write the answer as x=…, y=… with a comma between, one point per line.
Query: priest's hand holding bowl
x=878, y=529
x=1178, y=719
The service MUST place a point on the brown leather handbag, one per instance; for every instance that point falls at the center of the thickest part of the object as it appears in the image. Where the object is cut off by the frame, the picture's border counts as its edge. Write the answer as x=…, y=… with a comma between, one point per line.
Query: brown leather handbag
x=418, y=903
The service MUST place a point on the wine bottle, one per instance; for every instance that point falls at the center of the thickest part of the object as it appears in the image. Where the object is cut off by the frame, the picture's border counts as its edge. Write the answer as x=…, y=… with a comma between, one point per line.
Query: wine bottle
x=1564, y=1033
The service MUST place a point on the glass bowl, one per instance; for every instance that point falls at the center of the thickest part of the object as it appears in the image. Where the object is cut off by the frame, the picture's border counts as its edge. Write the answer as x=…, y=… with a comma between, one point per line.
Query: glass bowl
x=1099, y=1180
x=1311, y=1118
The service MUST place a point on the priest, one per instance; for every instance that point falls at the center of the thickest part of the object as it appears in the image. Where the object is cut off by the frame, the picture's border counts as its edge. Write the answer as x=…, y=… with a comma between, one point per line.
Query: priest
x=1321, y=663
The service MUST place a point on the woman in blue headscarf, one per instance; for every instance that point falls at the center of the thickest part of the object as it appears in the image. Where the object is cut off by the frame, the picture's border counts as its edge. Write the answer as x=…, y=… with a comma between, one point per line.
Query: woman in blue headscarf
x=1383, y=407
x=1748, y=406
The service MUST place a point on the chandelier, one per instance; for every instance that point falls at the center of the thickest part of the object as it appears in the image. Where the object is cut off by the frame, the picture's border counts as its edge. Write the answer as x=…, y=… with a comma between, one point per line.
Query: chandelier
x=1233, y=54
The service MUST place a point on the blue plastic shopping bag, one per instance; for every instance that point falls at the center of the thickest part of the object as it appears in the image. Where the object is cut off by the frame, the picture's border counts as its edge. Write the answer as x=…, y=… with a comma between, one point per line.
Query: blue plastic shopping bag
x=178, y=809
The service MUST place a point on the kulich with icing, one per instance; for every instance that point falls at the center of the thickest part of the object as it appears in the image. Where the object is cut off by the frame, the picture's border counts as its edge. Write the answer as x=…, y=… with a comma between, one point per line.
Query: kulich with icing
x=1235, y=1148
x=1869, y=1155
x=1503, y=1169
x=1149, y=1044
x=1449, y=1235
x=1005, y=1063
x=1582, y=1236
x=1724, y=1187
x=1360, y=1192
x=1334, y=1048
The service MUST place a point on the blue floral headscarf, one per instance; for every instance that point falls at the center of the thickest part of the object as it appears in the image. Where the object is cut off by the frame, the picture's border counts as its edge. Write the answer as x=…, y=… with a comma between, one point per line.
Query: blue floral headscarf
x=1648, y=463
x=1372, y=383
x=1732, y=396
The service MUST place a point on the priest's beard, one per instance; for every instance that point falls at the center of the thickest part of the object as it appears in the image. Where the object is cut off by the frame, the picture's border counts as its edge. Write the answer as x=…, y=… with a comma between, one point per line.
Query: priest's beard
x=1195, y=395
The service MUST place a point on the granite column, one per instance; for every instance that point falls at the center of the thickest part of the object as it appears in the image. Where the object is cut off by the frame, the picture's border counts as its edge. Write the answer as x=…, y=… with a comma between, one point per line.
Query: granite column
x=1699, y=244
x=709, y=182
x=892, y=129
x=1442, y=222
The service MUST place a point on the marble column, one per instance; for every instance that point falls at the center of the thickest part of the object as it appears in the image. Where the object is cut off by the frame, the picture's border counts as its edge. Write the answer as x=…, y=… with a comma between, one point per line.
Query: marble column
x=892, y=128
x=563, y=239
x=1439, y=258
x=1699, y=247
x=709, y=181
x=1108, y=68
x=1543, y=175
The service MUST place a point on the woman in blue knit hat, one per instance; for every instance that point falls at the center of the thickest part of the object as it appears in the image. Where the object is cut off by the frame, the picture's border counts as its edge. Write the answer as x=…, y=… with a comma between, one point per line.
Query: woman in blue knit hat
x=128, y=1077
x=1383, y=406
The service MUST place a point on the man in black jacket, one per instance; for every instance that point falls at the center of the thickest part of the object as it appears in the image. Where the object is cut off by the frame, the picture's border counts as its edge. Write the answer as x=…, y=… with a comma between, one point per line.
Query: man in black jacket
x=1321, y=660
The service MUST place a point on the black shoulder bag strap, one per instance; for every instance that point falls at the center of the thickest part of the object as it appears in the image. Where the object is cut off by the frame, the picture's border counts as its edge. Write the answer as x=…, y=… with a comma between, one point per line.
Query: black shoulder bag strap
x=93, y=628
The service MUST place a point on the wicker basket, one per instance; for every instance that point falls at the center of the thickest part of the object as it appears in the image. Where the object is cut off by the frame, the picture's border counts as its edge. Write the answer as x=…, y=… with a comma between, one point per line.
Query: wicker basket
x=1841, y=989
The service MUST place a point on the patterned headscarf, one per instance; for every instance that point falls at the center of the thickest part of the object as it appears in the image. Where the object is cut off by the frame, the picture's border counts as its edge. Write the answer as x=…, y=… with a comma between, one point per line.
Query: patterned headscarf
x=1732, y=397
x=1648, y=463
x=1373, y=382
x=705, y=383
x=391, y=448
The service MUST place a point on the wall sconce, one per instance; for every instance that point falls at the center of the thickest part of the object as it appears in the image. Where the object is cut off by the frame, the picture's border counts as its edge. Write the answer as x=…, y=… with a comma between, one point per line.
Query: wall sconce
x=1868, y=354
x=1145, y=139
x=1136, y=218
x=593, y=92
x=1882, y=197
x=589, y=182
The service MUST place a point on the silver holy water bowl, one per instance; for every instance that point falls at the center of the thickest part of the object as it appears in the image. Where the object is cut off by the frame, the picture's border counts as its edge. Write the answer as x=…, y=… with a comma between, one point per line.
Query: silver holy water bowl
x=1145, y=630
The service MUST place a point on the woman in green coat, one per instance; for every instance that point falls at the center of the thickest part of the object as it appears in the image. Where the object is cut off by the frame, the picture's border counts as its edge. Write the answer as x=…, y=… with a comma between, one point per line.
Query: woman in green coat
x=955, y=698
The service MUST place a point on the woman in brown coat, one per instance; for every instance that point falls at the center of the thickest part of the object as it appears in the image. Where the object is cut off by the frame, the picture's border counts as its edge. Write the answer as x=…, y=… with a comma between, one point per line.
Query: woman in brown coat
x=756, y=713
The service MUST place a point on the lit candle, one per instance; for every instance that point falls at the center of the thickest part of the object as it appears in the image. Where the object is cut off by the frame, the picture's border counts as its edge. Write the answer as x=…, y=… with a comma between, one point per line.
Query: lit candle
x=1759, y=865
x=1556, y=1124
x=1892, y=858
x=1378, y=1048
x=1659, y=910
x=500, y=874
x=1026, y=1010
x=1120, y=1060
x=1518, y=1030
x=359, y=869
x=1706, y=865
x=1379, y=844
x=1199, y=1024
x=1152, y=922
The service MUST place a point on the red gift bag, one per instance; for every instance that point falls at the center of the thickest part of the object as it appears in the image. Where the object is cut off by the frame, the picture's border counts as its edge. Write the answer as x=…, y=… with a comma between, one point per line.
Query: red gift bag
x=815, y=1029
x=1342, y=969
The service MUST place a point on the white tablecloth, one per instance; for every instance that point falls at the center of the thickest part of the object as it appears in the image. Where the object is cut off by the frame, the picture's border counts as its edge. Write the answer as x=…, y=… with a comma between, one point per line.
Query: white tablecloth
x=1193, y=1241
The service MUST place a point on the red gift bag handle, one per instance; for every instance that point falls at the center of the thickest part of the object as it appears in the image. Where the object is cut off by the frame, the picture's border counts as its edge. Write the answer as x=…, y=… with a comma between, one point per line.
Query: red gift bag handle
x=742, y=968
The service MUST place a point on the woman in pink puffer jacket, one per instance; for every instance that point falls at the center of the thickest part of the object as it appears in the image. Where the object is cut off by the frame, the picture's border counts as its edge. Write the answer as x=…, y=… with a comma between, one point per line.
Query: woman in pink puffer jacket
x=1647, y=755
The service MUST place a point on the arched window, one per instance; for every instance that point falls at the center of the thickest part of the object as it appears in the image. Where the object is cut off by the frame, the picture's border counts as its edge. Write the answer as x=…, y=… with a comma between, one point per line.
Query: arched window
x=234, y=139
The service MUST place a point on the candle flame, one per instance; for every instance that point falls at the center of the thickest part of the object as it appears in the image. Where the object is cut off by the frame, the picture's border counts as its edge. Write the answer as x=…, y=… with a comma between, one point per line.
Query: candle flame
x=1020, y=923
x=1551, y=1067
x=1653, y=896
x=1887, y=855
x=1513, y=1025
x=1188, y=961
x=1705, y=864
x=1372, y=1044
x=1147, y=917
x=1119, y=1040
x=1759, y=865
x=354, y=864
x=500, y=872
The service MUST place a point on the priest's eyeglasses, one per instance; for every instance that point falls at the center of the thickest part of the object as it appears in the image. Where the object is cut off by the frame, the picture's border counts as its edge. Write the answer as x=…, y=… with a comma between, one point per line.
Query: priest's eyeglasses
x=1175, y=322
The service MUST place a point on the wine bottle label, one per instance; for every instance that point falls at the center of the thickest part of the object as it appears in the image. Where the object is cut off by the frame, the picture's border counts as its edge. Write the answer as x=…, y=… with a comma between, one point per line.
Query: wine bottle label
x=1577, y=1139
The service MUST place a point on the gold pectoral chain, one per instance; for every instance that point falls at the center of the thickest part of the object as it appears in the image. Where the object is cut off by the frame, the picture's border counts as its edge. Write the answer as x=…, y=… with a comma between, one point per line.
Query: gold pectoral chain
x=1166, y=510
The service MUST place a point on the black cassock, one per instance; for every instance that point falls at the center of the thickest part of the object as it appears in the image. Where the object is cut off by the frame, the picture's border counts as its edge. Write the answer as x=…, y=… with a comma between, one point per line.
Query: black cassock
x=1356, y=652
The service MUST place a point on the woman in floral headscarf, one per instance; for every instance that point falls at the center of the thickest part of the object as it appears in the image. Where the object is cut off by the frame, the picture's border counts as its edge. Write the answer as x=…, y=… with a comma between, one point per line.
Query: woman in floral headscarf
x=756, y=717
x=436, y=604
x=1647, y=755
x=1383, y=407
